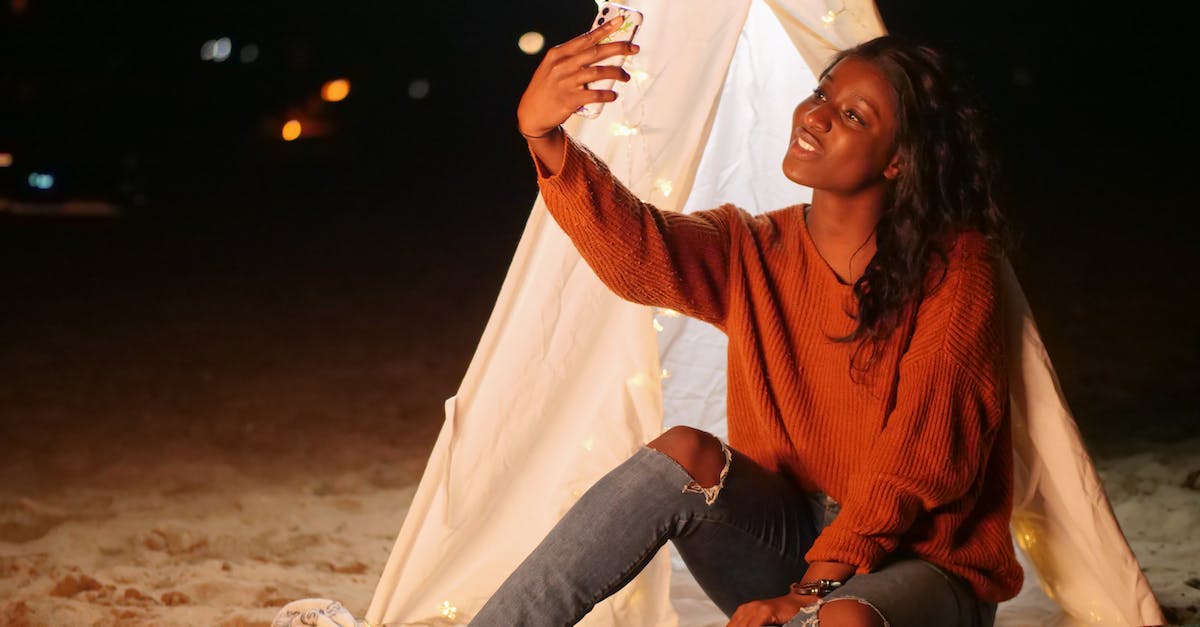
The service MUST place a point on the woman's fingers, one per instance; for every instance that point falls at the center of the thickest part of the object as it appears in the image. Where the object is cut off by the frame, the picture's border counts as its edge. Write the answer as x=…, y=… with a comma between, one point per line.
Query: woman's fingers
x=601, y=52
x=753, y=614
x=567, y=63
x=573, y=88
x=740, y=618
x=595, y=73
x=592, y=37
x=559, y=85
x=588, y=96
x=582, y=95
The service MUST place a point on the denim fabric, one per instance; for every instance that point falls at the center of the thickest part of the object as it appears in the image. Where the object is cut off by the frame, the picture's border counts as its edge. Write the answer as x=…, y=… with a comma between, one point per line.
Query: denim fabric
x=915, y=592
x=748, y=544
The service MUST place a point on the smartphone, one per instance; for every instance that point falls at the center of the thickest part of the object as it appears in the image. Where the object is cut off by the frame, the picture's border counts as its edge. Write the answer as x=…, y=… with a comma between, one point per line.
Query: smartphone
x=629, y=28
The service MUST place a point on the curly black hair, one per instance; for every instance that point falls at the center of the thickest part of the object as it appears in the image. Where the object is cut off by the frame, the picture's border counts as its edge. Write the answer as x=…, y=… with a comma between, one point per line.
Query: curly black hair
x=948, y=184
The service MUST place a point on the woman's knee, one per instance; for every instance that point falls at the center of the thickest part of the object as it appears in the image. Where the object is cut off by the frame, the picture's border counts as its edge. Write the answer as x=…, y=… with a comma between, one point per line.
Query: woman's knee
x=699, y=452
x=849, y=613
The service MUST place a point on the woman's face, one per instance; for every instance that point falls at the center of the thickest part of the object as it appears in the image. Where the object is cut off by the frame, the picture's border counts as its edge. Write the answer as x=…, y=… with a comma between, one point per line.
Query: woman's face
x=843, y=135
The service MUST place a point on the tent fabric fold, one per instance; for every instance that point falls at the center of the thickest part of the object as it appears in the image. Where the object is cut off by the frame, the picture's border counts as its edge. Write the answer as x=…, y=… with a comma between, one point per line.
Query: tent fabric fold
x=568, y=380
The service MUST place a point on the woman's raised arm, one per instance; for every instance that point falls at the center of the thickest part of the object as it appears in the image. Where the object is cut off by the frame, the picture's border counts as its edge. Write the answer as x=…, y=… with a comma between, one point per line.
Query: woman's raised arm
x=643, y=254
x=559, y=87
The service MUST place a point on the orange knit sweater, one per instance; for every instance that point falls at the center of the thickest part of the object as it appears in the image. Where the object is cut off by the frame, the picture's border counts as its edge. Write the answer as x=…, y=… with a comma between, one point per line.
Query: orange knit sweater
x=919, y=454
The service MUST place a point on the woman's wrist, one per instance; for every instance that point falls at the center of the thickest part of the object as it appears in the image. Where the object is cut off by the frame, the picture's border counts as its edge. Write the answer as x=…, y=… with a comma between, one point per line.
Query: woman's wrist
x=549, y=150
x=830, y=570
x=815, y=588
x=822, y=578
x=550, y=134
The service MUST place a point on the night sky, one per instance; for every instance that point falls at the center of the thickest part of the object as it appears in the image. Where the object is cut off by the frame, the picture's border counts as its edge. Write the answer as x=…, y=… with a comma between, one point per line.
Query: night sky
x=117, y=91
x=1088, y=102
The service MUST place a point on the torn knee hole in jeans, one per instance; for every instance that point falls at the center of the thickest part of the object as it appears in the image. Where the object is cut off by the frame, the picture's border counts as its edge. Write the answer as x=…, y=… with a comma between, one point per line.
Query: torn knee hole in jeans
x=710, y=493
x=807, y=616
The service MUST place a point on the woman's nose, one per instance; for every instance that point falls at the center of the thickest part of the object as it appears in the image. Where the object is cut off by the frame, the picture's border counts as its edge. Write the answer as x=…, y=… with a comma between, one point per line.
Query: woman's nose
x=816, y=117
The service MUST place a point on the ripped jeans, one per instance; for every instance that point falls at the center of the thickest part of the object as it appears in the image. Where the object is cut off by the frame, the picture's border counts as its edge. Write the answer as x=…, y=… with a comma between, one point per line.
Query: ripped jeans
x=743, y=540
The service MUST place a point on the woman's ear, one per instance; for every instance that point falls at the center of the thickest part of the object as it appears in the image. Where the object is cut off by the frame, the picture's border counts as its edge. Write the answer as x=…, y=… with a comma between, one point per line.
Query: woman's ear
x=892, y=170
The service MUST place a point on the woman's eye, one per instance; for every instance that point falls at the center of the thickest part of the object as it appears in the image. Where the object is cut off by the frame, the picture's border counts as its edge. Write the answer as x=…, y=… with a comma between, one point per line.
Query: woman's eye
x=853, y=116
x=818, y=94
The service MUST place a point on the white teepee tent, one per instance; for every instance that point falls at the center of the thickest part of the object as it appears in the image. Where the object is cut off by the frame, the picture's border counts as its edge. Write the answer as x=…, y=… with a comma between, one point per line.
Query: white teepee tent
x=568, y=380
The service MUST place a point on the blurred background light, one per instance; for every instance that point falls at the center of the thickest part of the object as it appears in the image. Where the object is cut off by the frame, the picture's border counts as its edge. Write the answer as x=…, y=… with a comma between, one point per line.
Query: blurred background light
x=222, y=49
x=39, y=180
x=6, y=159
x=248, y=53
x=418, y=89
x=531, y=43
x=291, y=130
x=335, y=90
x=216, y=49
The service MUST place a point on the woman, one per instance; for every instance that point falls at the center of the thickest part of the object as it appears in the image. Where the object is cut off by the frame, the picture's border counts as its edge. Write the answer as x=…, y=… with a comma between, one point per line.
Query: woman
x=868, y=475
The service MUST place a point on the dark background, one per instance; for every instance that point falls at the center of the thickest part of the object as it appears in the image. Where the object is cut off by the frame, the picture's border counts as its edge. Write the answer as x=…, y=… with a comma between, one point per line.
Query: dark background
x=384, y=241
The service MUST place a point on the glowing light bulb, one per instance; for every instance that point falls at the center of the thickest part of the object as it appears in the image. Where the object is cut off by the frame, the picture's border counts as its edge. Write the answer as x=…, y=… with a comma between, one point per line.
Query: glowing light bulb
x=531, y=42
x=335, y=90
x=291, y=130
x=664, y=186
x=636, y=71
x=620, y=129
x=447, y=610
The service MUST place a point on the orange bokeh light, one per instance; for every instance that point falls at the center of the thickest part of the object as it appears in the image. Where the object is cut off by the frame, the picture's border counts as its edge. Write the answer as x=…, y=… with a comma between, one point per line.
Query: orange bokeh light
x=335, y=90
x=291, y=130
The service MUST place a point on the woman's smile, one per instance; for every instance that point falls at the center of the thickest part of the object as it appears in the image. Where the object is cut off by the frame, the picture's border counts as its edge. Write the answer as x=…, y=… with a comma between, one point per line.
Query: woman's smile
x=805, y=145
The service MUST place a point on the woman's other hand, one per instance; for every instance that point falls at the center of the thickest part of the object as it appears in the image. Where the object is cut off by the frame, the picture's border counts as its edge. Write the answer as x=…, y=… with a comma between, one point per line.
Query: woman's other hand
x=558, y=87
x=776, y=611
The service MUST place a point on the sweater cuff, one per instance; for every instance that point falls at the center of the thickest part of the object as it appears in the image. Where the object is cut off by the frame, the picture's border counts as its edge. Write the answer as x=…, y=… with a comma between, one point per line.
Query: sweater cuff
x=838, y=545
x=581, y=169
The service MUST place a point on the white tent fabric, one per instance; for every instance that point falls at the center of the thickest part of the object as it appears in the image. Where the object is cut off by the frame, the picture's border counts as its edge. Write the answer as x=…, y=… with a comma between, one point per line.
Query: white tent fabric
x=568, y=380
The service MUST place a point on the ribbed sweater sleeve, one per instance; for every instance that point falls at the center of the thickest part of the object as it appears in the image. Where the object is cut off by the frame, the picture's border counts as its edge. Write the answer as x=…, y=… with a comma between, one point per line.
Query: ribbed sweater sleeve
x=935, y=443
x=643, y=254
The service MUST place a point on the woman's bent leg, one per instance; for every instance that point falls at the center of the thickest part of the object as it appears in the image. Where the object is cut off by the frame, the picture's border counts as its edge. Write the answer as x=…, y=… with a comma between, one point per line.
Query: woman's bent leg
x=605, y=539
x=737, y=546
x=750, y=545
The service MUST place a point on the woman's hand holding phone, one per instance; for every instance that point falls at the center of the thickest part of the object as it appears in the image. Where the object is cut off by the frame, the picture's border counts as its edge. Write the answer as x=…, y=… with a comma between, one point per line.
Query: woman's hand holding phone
x=559, y=84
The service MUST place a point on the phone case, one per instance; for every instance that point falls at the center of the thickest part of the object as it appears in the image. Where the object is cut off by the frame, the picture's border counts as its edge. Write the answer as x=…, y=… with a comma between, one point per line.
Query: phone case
x=633, y=21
